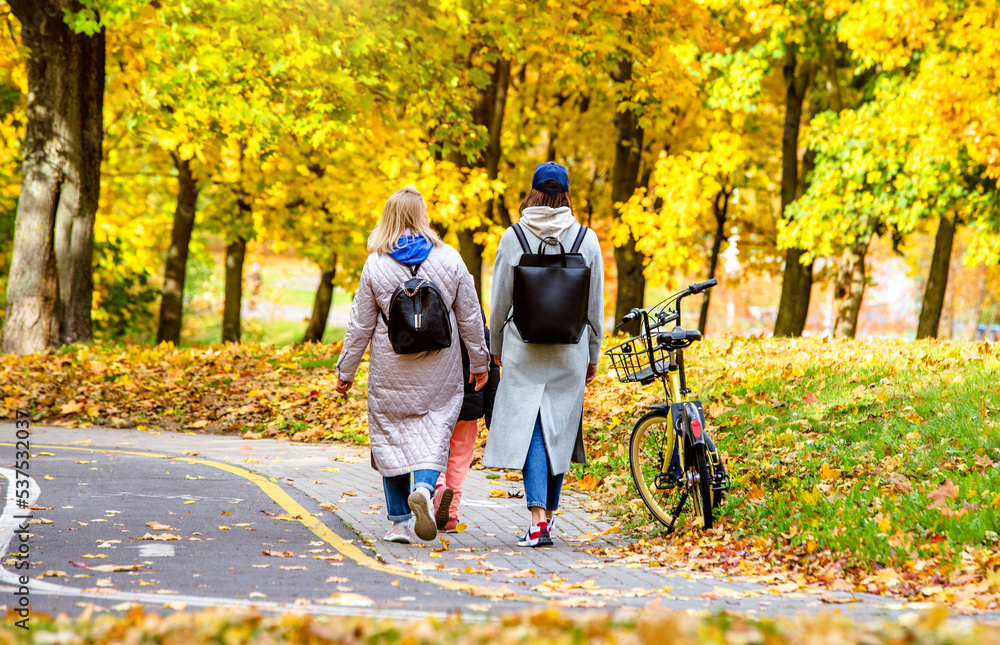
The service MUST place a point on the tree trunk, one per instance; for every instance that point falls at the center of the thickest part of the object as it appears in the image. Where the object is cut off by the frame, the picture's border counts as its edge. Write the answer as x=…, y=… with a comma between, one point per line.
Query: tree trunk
x=850, y=288
x=980, y=300
x=172, y=302
x=625, y=174
x=720, y=207
x=321, y=305
x=937, y=280
x=236, y=252
x=472, y=255
x=797, y=282
x=50, y=287
x=489, y=112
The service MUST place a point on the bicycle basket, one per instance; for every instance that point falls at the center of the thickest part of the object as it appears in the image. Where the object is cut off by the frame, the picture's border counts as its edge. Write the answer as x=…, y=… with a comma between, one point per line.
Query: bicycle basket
x=631, y=363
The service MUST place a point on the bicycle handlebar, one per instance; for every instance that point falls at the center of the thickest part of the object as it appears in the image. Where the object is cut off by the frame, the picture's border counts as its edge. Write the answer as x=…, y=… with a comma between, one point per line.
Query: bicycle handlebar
x=693, y=289
x=629, y=317
x=698, y=287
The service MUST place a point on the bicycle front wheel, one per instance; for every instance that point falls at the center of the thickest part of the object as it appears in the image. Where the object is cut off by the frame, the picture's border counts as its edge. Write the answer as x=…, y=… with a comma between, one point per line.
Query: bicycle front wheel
x=650, y=450
x=704, y=492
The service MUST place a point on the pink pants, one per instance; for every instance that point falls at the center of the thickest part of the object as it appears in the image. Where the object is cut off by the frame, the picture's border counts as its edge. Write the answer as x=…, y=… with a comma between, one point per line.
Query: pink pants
x=463, y=442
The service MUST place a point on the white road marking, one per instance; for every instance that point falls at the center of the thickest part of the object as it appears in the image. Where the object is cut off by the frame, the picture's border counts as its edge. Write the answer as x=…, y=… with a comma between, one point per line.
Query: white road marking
x=155, y=550
x=9, y=523
x=234, y=500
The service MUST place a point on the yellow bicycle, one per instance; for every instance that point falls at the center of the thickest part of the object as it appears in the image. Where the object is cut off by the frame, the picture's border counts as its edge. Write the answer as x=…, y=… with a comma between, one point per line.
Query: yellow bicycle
x=671, y=455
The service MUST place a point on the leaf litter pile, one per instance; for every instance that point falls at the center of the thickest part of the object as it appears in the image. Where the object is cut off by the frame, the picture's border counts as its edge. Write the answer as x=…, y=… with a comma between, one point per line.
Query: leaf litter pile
x=552, y=627
x=865, y=466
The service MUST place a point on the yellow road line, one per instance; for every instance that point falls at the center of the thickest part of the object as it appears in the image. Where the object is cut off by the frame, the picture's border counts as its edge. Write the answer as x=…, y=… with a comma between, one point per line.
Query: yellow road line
x=285, y=501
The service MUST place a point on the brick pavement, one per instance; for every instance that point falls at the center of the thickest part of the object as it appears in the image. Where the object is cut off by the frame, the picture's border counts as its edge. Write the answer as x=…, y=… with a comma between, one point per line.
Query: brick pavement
x=486, y=553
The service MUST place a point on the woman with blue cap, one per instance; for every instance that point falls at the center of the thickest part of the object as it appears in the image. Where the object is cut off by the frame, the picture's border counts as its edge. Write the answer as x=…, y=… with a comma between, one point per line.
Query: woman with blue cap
x=539, y=402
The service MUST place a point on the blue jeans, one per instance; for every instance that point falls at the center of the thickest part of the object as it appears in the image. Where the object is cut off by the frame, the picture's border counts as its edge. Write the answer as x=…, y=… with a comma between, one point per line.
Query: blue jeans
x=541, y=487
x=397, y=489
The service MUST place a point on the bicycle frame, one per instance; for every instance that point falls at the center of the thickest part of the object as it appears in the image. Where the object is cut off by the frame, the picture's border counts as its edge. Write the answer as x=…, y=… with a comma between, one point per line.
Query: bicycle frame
x=686, y=416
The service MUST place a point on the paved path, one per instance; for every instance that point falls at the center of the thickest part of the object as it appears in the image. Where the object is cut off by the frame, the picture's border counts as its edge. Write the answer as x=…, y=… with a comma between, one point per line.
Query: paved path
x=483, y=564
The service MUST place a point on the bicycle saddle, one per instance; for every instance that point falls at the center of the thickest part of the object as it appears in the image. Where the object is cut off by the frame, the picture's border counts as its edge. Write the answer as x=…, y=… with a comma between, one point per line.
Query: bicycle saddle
x=678, y=338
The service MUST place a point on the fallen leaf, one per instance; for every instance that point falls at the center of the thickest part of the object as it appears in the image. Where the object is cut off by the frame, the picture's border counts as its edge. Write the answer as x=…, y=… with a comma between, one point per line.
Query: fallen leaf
x=106, y=568
x=347, y=600
x=942, y=494
x=71, y=407
x=159, y=526
x=521, y=573
x=52, y=573
x=278, y=554
x=162, y=537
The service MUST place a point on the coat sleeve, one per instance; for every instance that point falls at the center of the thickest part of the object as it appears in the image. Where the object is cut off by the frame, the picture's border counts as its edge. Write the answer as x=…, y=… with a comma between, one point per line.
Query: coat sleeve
x=502, y=298
x=360, y=327
x=595, y=309
x=469, y=315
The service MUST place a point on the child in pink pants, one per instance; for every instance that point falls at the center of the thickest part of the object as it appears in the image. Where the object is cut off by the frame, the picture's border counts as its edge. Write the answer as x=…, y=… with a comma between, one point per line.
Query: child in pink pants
x=448, y=492
x=463, y=442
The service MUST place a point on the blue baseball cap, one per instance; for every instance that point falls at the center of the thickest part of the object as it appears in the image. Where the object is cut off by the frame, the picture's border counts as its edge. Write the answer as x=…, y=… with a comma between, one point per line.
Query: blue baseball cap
x=555, y=172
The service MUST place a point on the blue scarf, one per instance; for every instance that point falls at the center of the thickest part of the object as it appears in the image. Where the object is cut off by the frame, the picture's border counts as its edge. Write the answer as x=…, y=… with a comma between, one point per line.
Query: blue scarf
x=411, y=249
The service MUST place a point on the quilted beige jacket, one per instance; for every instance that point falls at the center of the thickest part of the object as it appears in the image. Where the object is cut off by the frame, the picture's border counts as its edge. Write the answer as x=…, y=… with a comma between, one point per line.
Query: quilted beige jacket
x=413, y=399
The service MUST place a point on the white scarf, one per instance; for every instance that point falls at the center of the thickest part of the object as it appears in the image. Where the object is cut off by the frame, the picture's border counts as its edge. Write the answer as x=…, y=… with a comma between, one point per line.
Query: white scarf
x=545, y=221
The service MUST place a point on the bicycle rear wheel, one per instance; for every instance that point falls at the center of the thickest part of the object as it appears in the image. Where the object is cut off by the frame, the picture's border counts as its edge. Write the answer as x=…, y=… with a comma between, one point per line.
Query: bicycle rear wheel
x=704, y=492
x=650, y=450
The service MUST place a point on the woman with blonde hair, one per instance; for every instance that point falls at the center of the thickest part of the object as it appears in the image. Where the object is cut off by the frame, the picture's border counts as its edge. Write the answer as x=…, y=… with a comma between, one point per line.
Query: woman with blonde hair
x=413, y=399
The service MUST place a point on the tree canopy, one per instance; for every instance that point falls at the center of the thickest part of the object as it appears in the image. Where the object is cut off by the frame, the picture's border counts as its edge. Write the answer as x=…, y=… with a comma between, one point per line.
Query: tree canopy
x=803, y=130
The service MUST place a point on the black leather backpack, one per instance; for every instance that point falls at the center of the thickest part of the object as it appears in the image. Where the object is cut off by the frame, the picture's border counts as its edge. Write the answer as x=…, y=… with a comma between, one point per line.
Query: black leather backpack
x=551, y=292
x=418, y=319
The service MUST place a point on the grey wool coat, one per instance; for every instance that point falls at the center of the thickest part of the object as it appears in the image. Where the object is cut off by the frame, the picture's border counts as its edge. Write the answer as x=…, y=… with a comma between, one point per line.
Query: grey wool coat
x=413, y=399
x=539, y=379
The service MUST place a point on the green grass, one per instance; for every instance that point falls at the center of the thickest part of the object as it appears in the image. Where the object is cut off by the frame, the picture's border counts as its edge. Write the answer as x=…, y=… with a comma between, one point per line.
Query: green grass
x=202, y=330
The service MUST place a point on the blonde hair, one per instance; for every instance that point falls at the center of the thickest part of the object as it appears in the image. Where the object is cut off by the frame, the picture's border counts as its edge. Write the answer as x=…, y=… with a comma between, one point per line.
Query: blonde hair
x=405, y=209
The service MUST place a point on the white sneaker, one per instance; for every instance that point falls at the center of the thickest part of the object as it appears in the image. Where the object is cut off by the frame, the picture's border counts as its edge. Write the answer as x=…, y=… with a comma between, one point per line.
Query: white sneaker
x=536, y=535
x=552, y=525
x=401, y=532
x=424, y=524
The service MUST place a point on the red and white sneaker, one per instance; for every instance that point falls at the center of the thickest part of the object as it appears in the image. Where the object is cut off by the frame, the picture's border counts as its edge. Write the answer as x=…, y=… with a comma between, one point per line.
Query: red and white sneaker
x=537, y=535
x=551, y=525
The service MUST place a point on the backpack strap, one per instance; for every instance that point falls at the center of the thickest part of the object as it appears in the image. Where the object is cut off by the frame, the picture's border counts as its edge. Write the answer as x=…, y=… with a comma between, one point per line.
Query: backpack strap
x=579, y=239
x=413, y=272
x=520, y=238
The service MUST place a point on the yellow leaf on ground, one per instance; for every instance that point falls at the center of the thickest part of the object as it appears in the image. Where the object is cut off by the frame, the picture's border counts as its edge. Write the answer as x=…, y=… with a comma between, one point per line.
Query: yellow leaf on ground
x=161, y=537
x=159, y=526
x=825, y=472
x=107, y=568
x=70, y=408
x=52, y=573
